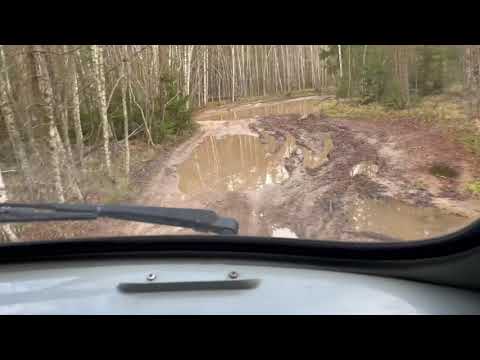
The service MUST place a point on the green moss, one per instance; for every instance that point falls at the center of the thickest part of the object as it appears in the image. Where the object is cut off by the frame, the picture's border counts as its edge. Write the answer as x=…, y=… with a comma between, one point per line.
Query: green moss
x=474, y=187
x=443, y=171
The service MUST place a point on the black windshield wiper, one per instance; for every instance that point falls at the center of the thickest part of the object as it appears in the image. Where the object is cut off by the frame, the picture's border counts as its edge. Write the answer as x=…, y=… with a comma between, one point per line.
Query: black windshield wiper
x=200, y=220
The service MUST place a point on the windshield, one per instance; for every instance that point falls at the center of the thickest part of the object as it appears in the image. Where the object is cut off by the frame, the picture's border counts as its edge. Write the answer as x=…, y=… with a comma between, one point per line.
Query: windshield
x=362, y=143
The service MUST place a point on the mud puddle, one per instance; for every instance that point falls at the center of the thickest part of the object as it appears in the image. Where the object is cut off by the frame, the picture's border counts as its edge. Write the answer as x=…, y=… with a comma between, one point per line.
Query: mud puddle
x=294, y=106
x=241, y=162
x=230, y=163
x=402, y=221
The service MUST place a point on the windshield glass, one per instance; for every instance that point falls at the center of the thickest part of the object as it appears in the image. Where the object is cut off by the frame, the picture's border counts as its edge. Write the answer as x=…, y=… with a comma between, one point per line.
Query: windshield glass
x=362, y=143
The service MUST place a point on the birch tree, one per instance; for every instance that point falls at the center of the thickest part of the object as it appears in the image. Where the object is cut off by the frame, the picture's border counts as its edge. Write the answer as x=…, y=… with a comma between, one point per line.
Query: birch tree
x=5, y=230
x=205, y=75
x=472, y=81
x=70, y=172
x=61, y=102
x=340, y=60
x=7, y=112
x=188, y=51
x=233, y=73
x=125, y=84
x=97, y=59
x=45, y=93
x=75, y=106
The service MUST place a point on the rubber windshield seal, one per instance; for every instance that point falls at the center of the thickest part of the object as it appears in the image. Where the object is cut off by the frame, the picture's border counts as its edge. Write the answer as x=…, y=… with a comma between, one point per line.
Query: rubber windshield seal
x=458, y=242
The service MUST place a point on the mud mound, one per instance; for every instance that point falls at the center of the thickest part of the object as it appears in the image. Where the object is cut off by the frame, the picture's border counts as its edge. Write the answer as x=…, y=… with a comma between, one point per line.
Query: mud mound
x=319, y=203
x=314, y=201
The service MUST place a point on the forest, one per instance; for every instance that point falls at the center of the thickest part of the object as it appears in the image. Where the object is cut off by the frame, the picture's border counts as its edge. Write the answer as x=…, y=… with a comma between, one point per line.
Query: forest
x=78, y=123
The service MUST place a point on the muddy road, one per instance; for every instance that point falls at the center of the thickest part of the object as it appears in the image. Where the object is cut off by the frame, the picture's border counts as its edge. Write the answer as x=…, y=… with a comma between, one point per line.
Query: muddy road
x=282, y=169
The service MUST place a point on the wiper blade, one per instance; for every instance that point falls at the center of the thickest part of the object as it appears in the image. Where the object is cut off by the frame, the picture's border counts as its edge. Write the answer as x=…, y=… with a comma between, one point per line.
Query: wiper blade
x=197, y=219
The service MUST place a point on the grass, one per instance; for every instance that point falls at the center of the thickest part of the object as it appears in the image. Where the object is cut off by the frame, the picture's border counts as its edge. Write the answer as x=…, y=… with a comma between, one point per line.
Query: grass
x=445, y=111
x=351, y=110
x=439, y=107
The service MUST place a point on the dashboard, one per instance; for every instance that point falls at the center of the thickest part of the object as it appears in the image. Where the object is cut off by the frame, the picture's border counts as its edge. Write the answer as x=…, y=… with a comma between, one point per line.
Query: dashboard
x=213, y=286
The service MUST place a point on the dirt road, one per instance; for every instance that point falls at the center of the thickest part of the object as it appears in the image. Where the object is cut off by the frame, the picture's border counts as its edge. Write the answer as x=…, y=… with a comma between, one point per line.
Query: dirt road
x=282, y=169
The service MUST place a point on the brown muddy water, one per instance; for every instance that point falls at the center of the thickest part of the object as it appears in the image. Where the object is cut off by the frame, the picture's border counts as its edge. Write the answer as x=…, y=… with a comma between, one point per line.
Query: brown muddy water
x=240, y=162
x=230, y=163
x=402, y=221
x=294, y=106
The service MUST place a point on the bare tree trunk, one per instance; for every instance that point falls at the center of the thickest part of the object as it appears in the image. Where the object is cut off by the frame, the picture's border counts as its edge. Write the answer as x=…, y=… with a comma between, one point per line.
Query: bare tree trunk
x=301, y=82
x=364, y=55
x=287, y=59
x=44, y=88
x=233, y=73
x=257, y=78
x=320, y=66
x=349, y=70
x=340, y=60
x=63, y=110
x=54, y=151
x=468, y=67
x=264, y=72
x=276, y=69
x=241, y=76
x=468, y=71
x=5, y=230
x=170, y=57
x=205, y=75
x=405, y=73
x=62, y=104
x=75, y=108
x=24, y=101
x=187, y=70
x=125, y=82
x=97, y=57
x=219, y=83
x=250, y=86
x=312, y=66
x=186, y=85
x=477, y=97
x=8, y=115
x=401, y=58
x=3, y=68
x=155, y=65
x=70, y=170
x=472, y=82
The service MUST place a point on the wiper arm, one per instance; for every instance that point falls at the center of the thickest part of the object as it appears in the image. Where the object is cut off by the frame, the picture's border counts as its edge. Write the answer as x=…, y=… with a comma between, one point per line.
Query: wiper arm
x=197, y=219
